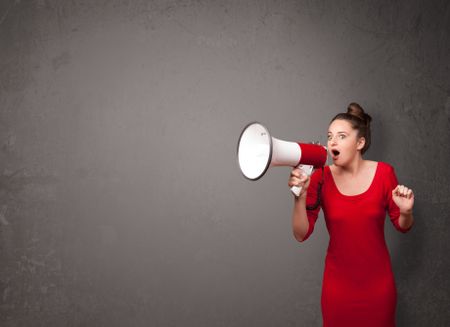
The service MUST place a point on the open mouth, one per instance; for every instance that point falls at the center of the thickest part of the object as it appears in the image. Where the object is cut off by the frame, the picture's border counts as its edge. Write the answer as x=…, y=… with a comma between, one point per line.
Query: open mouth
x=335, y=152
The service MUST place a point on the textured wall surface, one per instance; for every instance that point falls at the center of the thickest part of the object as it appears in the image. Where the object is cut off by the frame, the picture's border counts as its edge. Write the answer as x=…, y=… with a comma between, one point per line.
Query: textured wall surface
x=121, y=202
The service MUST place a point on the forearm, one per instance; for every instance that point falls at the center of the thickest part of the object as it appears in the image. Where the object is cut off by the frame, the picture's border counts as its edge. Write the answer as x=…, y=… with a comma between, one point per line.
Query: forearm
x=406, y=219
x=300, y=223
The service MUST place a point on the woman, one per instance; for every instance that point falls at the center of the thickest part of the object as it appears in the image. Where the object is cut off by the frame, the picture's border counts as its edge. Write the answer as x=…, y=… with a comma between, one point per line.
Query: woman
x=358, y=283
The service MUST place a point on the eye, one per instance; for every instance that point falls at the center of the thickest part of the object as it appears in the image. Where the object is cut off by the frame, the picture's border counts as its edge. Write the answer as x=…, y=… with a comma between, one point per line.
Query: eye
x=342, y=136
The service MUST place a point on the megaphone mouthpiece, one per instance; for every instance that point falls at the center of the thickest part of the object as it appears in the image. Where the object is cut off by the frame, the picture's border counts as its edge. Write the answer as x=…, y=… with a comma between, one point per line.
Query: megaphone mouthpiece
x=313, y=154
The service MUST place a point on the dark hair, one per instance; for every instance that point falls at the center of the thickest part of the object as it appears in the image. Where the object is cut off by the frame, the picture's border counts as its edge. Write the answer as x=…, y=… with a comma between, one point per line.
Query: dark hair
x=359, y=120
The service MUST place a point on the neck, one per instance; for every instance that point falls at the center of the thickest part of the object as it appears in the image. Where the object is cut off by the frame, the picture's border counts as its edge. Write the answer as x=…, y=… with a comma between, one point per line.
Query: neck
x=352, y=168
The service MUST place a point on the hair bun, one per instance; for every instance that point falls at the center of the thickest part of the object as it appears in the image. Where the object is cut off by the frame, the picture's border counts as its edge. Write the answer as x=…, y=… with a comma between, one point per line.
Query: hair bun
x=356, y=110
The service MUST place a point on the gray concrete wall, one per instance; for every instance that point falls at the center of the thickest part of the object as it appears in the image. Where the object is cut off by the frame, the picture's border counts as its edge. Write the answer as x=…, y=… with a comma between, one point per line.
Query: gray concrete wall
x=121, y=202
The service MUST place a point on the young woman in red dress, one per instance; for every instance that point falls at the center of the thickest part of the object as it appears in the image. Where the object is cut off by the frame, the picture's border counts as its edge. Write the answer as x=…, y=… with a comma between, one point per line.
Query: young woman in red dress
x=358, y=286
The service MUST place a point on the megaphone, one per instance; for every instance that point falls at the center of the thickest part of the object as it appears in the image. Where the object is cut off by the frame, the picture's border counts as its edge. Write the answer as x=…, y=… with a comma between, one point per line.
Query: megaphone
x=257, y=151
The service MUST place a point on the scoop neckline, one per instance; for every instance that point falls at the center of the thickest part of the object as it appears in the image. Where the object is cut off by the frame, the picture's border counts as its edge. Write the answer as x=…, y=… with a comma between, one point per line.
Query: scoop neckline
x=360, y=194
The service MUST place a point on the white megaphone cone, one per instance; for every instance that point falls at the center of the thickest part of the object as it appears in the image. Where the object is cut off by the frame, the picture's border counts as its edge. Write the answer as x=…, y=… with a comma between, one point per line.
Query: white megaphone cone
x=257, y=151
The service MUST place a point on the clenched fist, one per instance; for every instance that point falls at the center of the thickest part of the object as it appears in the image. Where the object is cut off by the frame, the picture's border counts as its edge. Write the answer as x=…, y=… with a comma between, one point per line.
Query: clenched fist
x=403, y=198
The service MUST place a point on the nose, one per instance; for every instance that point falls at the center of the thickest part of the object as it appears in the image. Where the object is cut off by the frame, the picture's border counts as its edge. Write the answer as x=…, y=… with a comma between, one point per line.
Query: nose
x=332, y=141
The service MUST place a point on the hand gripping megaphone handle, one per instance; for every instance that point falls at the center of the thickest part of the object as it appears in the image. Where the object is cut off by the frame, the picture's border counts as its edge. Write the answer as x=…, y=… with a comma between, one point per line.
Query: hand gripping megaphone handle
x=307, y=169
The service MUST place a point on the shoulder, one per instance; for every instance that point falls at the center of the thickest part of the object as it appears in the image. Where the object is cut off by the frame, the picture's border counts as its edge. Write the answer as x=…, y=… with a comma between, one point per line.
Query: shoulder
x=386, y=167
x=317, y=174
x=387, y=173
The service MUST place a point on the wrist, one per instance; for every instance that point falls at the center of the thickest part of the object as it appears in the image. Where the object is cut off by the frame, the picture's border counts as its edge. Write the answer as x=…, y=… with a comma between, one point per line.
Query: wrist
x=300, y=198
x=406, y=212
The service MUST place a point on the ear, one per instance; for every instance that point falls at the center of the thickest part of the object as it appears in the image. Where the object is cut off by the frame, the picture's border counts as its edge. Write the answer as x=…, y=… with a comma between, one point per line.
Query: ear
x=360, y=144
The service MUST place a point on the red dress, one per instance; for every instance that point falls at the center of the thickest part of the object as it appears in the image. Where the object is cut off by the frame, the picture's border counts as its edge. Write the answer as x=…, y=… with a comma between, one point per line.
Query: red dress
x=358, y=283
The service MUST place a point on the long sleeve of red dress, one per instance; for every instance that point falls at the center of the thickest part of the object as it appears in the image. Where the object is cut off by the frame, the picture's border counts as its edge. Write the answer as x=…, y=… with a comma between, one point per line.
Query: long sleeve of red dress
x=358, y=286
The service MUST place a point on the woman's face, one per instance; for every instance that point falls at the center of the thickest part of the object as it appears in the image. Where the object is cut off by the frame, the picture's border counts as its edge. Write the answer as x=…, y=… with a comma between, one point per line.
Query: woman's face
x=343, y=143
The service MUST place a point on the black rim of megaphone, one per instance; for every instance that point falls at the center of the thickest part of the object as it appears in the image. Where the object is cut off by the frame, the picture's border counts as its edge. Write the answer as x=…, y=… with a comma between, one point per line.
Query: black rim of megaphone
x=270, y=153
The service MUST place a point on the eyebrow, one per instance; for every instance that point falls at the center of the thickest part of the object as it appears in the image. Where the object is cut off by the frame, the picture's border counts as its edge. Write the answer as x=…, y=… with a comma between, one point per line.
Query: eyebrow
x=338, y=132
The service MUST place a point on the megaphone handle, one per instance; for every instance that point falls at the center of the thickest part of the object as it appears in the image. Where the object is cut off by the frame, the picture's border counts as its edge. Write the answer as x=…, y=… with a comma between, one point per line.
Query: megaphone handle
x=307, y=169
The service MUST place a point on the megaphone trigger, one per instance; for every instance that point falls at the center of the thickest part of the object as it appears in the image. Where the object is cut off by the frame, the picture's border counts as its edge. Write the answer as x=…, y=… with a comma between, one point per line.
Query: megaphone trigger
x=306, y=169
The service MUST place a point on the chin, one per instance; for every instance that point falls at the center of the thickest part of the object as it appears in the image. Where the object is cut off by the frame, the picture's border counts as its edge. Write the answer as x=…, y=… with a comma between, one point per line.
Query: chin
x=341, y=163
